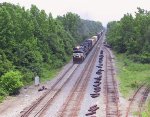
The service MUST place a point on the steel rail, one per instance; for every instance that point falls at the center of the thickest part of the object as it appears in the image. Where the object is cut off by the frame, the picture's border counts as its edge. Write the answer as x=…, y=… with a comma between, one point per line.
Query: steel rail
x=143, y=99
x=27, y=113
x=113, y=96
x=80, y=96
x=133, y=98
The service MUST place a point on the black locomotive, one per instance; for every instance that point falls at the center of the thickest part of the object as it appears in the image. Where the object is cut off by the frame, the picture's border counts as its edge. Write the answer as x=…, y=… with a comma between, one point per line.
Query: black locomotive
x=81, y=51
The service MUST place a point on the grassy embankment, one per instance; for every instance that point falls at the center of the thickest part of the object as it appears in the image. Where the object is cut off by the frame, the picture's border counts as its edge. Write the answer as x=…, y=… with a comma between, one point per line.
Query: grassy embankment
x=131, y=75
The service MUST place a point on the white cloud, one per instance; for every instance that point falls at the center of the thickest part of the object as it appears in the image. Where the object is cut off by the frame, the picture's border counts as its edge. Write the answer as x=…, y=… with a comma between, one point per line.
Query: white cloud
x=99, y=10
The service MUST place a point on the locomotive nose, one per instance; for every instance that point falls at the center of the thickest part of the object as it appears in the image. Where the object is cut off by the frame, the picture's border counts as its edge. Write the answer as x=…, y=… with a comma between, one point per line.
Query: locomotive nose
x=77, y=55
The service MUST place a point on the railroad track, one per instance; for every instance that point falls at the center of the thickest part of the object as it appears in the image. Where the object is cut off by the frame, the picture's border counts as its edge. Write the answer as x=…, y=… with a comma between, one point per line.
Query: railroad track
x=72, y=105
x=110, y=88
x=43, y=102
x=38, y=108
x=143, y=99
x=138, y=99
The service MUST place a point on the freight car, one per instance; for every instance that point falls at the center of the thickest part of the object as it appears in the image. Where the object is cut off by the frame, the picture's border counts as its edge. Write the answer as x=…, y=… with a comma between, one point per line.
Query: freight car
x=81, y=51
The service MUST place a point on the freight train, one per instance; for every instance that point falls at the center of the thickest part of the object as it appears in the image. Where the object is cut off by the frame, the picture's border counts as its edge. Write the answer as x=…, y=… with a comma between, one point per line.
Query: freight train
x=81, y=51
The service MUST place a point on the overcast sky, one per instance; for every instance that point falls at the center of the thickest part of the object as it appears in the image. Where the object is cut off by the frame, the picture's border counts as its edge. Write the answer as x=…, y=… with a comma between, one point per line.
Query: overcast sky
x=97, y=10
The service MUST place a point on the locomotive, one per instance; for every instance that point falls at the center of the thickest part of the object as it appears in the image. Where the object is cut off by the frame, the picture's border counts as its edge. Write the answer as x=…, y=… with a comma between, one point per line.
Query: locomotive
x=81, y=51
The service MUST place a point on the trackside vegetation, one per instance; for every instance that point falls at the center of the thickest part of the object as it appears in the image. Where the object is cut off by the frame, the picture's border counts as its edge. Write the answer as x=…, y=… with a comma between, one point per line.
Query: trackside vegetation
x=131, y=74
x=146, y=113
x=131, y=35
x=34, y=43
x=130, y=39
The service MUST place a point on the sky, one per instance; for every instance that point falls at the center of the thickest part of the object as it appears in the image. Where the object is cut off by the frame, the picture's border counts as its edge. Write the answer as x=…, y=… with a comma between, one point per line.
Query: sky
x=97, y=10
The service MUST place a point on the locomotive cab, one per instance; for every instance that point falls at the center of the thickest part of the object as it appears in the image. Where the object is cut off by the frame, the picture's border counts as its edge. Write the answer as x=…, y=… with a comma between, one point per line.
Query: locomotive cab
x=78, y=56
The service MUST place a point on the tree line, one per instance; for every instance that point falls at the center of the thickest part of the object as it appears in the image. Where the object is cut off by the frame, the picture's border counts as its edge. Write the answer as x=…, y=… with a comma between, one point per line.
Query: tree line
x=131, y=35
x=31, y=40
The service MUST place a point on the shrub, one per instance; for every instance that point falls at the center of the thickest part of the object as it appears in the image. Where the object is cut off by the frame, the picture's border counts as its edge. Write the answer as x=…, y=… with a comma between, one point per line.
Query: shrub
x=3, y=94
x=11, y=82
x=140, y=58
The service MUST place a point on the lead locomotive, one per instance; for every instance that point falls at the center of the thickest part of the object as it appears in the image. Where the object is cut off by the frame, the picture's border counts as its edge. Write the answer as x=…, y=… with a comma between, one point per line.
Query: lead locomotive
x=81, y=51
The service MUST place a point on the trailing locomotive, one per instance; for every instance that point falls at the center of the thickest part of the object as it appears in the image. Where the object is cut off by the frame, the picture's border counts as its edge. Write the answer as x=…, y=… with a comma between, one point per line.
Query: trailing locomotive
x=81, y=51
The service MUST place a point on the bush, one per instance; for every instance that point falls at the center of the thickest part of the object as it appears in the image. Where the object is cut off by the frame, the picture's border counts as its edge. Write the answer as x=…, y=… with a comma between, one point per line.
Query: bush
x=11, y=82
x=3, y=94
x=140, y=58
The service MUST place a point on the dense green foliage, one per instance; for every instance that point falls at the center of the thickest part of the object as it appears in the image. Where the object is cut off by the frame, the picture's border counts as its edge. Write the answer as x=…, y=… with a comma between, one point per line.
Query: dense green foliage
x=11, y=82
x=35, y=43
x=131, y=35
x=80, y=29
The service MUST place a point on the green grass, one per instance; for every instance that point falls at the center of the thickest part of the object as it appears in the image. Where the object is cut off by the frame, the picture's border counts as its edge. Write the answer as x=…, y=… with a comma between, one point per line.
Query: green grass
x=131, y=75
x=49, y=74
x=146, y=113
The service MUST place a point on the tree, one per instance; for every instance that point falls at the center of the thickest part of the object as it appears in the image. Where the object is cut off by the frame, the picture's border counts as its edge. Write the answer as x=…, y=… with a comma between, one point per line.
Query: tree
x=31, y=40
x=131, y=35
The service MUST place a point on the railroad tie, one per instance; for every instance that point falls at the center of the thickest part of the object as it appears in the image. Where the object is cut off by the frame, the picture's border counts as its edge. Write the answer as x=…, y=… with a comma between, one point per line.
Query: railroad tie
x=98, y=78
x=97, y=88
x=91, y=113
x=92, y=110
x=97, y=85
